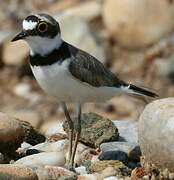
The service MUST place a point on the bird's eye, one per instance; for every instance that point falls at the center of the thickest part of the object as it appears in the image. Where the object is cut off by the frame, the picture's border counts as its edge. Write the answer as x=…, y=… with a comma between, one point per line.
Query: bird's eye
x=42, y=27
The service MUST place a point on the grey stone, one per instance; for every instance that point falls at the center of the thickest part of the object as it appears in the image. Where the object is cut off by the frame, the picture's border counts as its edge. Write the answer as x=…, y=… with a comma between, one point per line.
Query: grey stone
x=128, y=131
x=114, y=155
x=156, y=132
x=95, y=129
x=131, y=149
x=43, y=158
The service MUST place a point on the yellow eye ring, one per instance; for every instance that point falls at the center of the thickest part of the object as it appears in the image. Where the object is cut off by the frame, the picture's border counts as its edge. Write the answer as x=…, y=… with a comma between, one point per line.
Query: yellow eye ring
x=42, y=27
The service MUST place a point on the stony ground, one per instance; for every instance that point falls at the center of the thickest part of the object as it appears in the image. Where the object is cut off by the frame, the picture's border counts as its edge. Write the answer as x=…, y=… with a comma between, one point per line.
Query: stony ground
x=148, y=65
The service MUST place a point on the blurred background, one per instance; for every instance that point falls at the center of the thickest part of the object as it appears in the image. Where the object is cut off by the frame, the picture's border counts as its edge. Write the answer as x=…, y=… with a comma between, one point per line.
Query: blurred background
x=135, y=39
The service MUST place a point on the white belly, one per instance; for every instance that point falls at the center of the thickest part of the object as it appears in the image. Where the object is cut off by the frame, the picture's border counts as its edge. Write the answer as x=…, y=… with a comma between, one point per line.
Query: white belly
x=58, y=82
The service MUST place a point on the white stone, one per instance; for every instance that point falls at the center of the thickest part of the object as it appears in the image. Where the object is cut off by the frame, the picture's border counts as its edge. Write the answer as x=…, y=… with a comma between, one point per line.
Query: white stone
x=43, y=159
x=61, y=145
x=113, y=178
x=81, y=170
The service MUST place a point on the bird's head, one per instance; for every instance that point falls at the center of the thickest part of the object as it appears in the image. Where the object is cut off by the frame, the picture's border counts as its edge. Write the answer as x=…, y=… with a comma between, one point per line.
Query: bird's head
x=41, y=32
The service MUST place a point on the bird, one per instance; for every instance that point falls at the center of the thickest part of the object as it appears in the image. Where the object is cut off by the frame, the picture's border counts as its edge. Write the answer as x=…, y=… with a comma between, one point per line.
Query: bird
x=68, y=73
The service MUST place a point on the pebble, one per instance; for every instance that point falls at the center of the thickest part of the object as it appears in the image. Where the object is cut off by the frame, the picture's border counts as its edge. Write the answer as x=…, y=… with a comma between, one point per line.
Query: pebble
x=99, y=166
x=138, y=173
x=16, y=172
x=129, y=21
x=81, y=170
x=44, y=158
x=61, y=145
x=113, y=178
x=156, y=132
x=61, y=173
x=132, y=150
x=114, y=155
x=89, y=177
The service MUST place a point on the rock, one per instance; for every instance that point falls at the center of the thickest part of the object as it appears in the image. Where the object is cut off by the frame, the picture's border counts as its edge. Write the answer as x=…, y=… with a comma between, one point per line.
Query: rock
x=131, y=149
x=89, y=177
x=156, y=129
x=61, y=173
x=113, y=178
x=56, y=128
x=82, y=37
x=16, y=172
x=61, y=145
x=44, y=158
x=129, y=21
x=99, y=166
x=14, y=132
x=128, y=131
x=95, y=129
x=12, y=55
x=32, y=151
x=114, y=155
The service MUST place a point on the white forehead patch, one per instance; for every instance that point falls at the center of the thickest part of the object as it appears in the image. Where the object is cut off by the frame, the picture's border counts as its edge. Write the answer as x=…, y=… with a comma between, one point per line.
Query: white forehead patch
x=29, y=25
x=42, y=18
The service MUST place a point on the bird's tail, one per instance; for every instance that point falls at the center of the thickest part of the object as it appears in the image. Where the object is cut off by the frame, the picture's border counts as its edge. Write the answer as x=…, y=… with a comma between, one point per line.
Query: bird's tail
x=134, y=90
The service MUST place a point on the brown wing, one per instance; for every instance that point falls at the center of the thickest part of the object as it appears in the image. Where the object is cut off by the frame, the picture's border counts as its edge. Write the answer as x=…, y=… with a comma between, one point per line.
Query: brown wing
x=88, y=69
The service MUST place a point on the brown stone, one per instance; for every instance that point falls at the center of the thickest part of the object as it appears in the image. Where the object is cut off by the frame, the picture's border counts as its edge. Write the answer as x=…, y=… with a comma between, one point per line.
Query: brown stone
x=16, y=172
x=14, y=131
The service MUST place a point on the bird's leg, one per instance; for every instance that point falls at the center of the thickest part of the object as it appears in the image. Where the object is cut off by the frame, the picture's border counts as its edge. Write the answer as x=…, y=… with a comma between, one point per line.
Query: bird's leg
x=71, y=129
x=77, y=134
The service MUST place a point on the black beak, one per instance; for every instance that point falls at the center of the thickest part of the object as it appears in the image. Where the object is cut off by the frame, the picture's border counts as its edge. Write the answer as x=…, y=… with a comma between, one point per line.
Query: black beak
x=19, y=36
